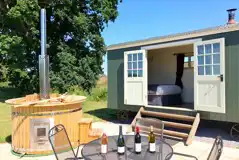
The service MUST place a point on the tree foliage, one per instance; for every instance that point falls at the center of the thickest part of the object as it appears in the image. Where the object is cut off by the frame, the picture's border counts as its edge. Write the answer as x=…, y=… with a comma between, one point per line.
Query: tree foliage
x=75, y=43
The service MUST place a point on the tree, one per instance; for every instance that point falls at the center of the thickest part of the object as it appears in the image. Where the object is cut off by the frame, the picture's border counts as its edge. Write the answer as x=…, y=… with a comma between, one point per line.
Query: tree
x=75, y=43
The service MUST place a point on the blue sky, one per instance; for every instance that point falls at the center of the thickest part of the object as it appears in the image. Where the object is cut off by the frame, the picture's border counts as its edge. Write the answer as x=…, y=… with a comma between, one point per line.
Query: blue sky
x=139, y=19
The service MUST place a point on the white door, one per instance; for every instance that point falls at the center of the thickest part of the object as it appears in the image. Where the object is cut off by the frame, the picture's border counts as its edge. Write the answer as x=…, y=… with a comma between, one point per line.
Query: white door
x=135, y=77
x=209, y=75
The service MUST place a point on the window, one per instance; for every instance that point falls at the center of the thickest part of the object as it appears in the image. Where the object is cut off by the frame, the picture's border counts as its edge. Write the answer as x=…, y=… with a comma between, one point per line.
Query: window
x=208, y=59
x=135, y=65
x=188, y=61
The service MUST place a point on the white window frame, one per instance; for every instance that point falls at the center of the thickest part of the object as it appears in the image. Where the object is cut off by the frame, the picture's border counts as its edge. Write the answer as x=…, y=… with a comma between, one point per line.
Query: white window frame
x=211, y=42
x=137, y=65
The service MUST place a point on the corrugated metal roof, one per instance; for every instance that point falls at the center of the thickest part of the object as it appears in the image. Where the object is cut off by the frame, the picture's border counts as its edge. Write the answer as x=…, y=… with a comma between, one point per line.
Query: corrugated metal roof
x=178, y=36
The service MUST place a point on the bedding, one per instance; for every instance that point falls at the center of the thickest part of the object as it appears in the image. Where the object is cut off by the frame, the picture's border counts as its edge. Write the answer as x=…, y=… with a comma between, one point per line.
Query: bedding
x=164, y=89
x=164, y=95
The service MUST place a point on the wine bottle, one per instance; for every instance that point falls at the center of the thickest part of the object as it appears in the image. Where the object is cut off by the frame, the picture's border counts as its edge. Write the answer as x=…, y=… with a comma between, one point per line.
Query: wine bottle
x=104, y=144
x=120, y=142
x=151, y=140
x=137, y=141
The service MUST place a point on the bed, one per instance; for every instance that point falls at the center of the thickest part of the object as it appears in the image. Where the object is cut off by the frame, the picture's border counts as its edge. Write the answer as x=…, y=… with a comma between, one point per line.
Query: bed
x=164, y=95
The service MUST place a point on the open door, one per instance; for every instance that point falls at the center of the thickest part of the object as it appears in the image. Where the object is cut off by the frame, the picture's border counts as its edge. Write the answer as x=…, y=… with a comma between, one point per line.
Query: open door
x=209, y=76
x=135, y=77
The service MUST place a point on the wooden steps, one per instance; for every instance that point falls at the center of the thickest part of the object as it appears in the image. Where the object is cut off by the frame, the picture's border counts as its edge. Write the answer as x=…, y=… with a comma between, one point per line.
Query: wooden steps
x=166, y=132
x=172, y=124
x=86, y=132
x=175, y=125
x=168, y=115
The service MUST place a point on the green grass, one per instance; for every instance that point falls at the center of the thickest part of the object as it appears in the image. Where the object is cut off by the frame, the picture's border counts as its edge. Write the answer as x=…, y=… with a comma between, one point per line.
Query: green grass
x=5, y=122
x=91, y=106
x=6, y=92
x=98, y=111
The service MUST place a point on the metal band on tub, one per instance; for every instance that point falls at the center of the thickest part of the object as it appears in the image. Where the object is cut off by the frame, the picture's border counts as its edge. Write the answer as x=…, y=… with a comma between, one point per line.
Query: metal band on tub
x=45, y=114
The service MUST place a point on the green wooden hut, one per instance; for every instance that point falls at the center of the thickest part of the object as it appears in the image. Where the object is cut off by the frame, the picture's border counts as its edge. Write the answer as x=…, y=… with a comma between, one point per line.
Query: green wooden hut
x=185, y=73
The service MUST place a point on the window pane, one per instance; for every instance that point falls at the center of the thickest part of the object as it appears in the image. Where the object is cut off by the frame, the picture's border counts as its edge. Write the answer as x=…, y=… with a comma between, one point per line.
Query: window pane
x=216, y=69
x=129, y=65
x=192, y=58
x=216, y=59
x=140, y=73
x=185, y=59
x=208, y=59
x=200, y=60
x=134, y=57
x=129, y=57
x=140, y=65
x=216, y=47
x=134, y=65
x=208, y=48
x=200, y=49
x=200, y=70
x=129, y=73
x=134, y=73
x=140, y=56
x=208, y=70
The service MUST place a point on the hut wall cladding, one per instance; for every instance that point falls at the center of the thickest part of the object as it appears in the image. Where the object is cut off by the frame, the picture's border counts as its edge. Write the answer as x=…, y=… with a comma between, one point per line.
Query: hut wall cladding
x=21, y=124
x=116, y=79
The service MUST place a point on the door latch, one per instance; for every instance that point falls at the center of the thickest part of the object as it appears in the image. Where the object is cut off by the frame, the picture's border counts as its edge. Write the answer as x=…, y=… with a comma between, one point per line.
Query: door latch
x=221, y=77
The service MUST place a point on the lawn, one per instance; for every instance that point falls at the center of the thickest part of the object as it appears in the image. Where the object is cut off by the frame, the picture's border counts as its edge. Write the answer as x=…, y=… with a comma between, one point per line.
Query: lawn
x=6, y=92
x=98, y=111
x=5, y=121
x=91, y=106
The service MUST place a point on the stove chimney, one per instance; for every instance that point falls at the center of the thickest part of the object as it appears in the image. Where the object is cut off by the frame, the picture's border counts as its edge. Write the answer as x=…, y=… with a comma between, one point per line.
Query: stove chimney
x=44, y=61
x=231, y=16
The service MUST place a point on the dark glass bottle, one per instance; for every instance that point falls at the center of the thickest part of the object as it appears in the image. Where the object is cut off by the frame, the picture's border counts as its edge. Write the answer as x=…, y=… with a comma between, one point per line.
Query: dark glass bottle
x=120, y=142
x=137, y=142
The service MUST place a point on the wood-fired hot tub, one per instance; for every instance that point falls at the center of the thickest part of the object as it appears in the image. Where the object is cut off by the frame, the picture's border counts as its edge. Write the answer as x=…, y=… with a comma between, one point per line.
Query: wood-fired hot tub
x=32, y=121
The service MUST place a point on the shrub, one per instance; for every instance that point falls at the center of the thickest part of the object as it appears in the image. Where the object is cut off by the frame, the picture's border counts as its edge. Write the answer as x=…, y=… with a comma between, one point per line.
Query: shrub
x=96, y=94
x=99, y=94
x=77, y=91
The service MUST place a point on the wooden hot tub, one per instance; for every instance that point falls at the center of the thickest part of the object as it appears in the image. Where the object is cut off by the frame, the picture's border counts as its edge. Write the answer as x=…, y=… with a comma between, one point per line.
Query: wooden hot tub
x=32, y=121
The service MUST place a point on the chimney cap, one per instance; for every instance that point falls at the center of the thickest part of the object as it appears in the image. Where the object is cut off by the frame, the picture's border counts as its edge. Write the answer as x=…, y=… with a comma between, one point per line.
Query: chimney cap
x=231, y=16
x=231, y=10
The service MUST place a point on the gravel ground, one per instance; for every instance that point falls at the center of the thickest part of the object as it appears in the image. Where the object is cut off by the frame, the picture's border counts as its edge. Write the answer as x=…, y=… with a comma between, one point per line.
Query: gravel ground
x=208, y=130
